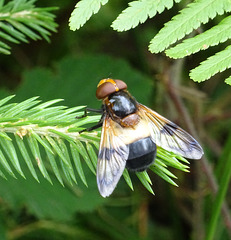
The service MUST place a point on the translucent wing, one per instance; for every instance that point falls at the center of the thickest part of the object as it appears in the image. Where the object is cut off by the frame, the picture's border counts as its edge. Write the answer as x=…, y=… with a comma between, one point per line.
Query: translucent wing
x=113, y=153
x=169, y=136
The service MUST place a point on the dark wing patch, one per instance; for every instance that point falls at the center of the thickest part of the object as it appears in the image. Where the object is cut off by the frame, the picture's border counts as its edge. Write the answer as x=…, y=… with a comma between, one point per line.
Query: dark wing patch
x=113, y=153
x=169, y=136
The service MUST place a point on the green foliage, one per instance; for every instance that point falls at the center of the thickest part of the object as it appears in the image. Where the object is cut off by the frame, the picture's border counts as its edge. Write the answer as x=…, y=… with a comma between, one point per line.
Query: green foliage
x=217, y=34
x=42, y=125
x=83, y=11
x=228, y=80
x=26, y=205
x=68, y=77
x=217, y=63
x=224, y=180
x=138, y=12
x=31, y=210
x=20, y=20
x=41, y=198
x=190, y=18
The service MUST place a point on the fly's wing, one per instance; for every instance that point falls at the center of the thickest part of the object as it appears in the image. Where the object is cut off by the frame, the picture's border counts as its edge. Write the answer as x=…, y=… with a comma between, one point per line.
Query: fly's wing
x=112, y=157
x=169, y=136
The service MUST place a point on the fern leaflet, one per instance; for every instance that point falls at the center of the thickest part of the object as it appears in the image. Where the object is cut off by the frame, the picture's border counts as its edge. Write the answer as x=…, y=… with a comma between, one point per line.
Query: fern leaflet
x=217, y=34
x=139, y=11
x=84, y=9
x=228, y=80
x=189, y=18
x=214, y=64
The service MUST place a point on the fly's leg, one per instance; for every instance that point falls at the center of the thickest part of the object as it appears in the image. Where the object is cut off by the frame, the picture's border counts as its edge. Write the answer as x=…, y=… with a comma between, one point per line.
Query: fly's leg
x=90, y=110
x=98, y=125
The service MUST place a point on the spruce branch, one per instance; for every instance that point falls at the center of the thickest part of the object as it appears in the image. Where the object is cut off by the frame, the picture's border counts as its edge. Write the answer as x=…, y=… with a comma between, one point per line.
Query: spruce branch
x=20, y=20
x=47, y=139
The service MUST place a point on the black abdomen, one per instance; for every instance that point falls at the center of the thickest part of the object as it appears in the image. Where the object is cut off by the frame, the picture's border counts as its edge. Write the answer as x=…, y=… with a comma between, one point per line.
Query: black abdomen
x=141, y=154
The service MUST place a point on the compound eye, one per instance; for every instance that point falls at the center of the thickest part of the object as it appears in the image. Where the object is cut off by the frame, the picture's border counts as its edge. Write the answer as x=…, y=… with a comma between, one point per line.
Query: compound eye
x=108, y=86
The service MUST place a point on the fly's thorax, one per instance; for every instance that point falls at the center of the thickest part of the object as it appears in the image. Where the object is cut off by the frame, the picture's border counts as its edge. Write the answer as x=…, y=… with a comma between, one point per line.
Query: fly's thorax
x=122, y=104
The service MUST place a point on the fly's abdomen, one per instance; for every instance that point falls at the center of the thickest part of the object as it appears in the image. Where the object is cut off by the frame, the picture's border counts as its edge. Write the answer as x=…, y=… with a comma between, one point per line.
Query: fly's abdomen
x=141, y=154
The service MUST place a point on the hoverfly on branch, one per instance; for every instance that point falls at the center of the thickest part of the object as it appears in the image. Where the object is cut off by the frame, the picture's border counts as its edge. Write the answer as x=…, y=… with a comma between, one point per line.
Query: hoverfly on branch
x=130, y=135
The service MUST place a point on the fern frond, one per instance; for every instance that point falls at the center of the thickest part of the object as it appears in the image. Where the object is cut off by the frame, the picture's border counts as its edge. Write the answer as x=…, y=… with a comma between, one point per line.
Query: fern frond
x=47, y=139
x=188, y=19
x=84, y=9
x=217, y=34
x=138, y=12
x=214, y=64
x=20, y=20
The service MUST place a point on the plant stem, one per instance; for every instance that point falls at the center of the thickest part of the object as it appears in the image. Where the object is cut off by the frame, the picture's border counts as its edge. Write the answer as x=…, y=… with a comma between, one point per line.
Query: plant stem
x=220, y=196
x=171, y=89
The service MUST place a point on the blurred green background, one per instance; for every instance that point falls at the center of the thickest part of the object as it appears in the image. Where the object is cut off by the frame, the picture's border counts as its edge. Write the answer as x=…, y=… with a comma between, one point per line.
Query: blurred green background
x=70, y=68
